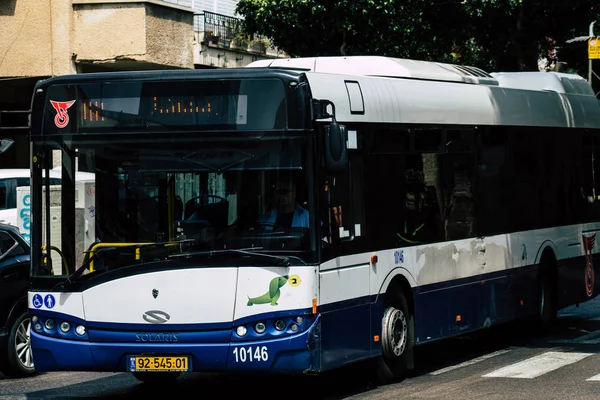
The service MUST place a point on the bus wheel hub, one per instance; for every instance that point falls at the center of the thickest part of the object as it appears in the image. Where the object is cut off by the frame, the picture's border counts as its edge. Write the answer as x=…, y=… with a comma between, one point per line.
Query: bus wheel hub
x=394, y=333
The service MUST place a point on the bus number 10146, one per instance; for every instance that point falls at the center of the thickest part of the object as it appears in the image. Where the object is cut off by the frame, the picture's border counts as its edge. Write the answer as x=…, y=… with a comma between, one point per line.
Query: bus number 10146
x=250, y=354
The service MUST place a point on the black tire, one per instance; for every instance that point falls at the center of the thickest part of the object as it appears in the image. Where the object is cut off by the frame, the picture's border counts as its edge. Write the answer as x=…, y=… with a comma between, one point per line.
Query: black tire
x=19, y=358
x=397, y=340
x=547, y=308
x=157, y=378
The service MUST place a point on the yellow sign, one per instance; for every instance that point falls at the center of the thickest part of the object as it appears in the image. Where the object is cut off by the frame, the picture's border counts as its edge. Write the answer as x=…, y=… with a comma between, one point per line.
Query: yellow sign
x=159, y=363
x=294, y=280
x=594, y=48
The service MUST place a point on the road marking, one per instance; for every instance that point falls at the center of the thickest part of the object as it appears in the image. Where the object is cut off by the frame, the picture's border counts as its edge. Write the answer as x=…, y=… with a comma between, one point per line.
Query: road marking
x=590, y=338
x=538, y=365
x=470, y=362
x=594, y=378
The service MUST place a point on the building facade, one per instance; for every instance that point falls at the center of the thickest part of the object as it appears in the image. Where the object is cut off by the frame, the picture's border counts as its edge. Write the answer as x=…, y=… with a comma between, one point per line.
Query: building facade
x=45, y=38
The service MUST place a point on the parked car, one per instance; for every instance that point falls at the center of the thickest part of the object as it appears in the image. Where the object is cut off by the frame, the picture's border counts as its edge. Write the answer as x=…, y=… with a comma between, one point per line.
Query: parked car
x=15, y=349
x=12, y=178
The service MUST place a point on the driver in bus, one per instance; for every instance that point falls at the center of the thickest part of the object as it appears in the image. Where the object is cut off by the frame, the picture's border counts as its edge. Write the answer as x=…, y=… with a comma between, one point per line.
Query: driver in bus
x=287, y=212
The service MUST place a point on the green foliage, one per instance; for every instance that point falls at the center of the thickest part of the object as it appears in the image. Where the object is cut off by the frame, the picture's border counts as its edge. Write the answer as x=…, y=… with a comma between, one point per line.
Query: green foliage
x=491, y=34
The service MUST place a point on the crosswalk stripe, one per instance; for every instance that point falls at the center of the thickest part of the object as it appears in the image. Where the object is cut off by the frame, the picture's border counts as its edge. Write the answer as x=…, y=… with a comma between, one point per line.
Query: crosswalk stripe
x=589, y=338
x=594, y=378
x=538, y=365
x=470, y=362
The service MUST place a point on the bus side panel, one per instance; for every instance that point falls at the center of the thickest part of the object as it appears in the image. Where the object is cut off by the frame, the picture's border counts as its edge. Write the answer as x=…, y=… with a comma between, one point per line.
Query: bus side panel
x=463, y=305
x=345, y=314
x=525, y=291
x=431, y=314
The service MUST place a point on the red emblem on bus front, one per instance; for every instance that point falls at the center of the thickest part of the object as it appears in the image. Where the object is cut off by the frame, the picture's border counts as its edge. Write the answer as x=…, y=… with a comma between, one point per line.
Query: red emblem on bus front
x=62, y=116
x=588, y=245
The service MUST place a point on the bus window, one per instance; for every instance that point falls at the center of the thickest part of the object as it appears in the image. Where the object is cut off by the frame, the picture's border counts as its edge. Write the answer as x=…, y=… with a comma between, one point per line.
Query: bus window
x=459, y=205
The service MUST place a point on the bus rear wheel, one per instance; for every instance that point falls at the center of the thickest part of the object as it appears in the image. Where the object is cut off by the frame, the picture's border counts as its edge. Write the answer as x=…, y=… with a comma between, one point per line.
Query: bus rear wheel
x=397, y=340
x=546, y=297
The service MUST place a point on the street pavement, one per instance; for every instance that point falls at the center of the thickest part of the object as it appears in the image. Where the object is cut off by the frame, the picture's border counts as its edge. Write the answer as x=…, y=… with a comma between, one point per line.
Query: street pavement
x=508, y=362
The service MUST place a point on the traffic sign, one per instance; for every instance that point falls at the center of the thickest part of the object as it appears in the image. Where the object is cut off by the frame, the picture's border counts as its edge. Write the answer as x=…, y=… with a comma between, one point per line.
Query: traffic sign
x=594, y=48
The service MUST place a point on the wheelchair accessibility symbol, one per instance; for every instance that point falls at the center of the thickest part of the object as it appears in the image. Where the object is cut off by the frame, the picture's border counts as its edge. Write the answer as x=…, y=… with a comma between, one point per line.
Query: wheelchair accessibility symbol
x=37, y=301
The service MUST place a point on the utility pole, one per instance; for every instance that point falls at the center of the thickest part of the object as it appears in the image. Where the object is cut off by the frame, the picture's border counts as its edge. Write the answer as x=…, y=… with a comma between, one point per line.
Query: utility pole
x=590, y=62
x=593, y=50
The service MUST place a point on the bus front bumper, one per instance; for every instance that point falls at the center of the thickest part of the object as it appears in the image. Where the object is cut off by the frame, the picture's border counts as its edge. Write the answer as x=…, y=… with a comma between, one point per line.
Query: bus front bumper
x=295, y=354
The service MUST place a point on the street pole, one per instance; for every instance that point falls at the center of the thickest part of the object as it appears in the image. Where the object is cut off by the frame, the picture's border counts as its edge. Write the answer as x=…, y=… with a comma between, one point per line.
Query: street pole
x=590, y=63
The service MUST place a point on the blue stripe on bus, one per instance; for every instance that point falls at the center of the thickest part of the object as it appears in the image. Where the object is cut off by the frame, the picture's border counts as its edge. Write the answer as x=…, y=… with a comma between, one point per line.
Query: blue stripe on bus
x=350, y=327
x=294, y=354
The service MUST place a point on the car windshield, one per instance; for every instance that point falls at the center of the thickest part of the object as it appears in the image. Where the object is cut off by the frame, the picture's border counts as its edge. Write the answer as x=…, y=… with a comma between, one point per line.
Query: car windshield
x=204, y=195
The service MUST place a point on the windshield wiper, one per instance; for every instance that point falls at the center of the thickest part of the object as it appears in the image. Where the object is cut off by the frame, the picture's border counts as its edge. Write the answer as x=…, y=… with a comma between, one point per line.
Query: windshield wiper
x=278, y=260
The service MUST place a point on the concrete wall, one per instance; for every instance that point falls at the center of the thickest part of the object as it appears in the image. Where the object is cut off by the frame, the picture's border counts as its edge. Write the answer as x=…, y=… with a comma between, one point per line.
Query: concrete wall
x=148, y=31
x=26, y=37
x=170, y=36
x=48, y=37
x=108, y=31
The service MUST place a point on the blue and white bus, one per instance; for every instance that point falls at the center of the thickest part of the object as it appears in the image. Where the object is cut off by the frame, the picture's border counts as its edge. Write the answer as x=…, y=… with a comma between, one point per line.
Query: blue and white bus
x=299, y=215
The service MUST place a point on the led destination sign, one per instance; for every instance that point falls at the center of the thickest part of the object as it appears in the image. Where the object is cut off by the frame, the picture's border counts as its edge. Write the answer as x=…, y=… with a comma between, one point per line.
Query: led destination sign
x=220, y=104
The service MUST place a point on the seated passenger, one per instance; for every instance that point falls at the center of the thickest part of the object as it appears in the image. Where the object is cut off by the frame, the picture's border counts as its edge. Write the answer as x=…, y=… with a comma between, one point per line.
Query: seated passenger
x=287, y=212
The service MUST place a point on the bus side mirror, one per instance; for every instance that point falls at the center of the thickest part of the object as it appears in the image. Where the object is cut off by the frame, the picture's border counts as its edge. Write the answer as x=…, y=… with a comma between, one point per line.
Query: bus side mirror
x=336, y=150
x=5, y=144
x=336, y=137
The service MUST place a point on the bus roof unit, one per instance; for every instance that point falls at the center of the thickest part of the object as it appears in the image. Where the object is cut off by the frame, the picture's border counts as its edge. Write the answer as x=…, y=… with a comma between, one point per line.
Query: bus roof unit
x=390, y=90
x=383, y=67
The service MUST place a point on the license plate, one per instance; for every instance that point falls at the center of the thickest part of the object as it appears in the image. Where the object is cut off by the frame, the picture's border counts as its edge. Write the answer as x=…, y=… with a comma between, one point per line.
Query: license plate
x=159, y=363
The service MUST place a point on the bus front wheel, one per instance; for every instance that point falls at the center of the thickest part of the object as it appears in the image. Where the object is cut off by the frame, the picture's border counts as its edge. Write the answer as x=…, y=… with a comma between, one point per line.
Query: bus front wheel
x=397, y=340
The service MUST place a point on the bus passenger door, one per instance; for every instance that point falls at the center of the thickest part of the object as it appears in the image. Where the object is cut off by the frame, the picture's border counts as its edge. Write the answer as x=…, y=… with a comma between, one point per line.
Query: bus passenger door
x=345, y=271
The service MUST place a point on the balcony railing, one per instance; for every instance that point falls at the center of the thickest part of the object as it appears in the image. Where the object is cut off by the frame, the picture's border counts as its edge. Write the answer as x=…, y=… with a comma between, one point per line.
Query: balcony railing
x=217, y=30
x=222, y=26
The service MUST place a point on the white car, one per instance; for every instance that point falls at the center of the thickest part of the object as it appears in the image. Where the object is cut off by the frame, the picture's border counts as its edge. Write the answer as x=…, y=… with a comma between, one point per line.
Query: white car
x=11, y=179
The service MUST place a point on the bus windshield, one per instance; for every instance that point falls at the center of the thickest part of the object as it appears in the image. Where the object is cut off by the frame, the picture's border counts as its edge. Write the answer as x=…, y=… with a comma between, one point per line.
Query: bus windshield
x=224, y=193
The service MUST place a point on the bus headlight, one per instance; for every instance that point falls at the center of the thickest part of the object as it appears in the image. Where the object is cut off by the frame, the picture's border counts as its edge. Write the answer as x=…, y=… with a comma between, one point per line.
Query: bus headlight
x=65, y=326
x=260, y=327
x=80, y=330
x=241, y=330
x=50, y=324
x=280, y=325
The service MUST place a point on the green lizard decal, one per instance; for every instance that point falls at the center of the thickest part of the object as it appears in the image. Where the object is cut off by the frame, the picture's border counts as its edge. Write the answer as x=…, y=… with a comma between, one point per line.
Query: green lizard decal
x=272, y=295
